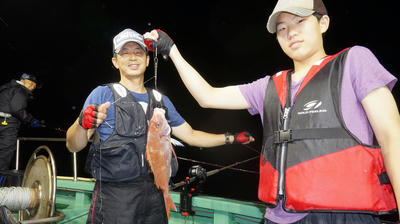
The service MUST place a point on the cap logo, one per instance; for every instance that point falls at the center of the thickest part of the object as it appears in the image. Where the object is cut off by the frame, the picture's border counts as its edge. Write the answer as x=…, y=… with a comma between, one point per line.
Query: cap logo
x=125, y=36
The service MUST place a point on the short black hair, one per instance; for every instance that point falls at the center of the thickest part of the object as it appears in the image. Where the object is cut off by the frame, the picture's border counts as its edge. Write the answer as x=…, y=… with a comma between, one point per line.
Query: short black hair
x=317, y=15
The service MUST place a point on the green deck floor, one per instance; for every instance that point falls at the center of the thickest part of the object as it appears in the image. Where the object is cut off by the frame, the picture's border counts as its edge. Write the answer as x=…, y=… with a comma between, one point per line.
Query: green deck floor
x=73, y=199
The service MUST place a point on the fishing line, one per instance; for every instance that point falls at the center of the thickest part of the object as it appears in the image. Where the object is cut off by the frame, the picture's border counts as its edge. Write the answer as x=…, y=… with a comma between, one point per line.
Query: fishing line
x=251, y=148
x=148, y=79
x=155, y=68
x=115, y=101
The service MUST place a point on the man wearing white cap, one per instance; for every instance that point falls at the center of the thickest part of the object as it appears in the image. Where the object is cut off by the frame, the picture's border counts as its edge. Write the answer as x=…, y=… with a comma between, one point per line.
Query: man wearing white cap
x=319, y=163
x=125, y=192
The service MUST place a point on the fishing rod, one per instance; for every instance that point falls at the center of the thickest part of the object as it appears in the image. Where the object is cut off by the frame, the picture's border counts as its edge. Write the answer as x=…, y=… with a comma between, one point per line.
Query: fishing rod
x=217, y=165
x=53, y=128
x=211, y=172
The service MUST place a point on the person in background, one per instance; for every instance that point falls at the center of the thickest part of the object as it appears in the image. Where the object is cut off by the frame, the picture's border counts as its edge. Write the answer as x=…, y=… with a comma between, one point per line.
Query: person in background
x=118, y=114
x=319, y=163
x=14, y=97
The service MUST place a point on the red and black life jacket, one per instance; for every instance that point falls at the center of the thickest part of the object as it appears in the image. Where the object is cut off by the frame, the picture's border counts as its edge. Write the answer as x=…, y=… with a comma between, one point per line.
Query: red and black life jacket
x=310, y=159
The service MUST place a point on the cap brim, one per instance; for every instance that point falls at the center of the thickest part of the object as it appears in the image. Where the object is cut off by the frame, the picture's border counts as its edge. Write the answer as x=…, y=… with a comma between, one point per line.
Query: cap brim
x=144, y=47
x=271, y=24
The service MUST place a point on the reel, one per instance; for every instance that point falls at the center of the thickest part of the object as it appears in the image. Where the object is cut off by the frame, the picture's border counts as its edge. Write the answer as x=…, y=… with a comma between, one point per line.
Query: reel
x=197, y=176
x=37, y=205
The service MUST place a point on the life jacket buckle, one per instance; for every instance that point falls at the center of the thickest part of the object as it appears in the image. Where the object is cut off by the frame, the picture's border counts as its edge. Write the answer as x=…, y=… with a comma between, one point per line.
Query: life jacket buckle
x=282, y=136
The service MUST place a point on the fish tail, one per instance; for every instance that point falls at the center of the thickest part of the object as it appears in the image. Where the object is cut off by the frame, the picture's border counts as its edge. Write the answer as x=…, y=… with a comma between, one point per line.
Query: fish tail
x=169, y=204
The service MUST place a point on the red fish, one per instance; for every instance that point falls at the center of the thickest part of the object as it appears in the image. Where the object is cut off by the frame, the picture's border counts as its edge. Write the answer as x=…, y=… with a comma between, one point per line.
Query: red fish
x=158, y=154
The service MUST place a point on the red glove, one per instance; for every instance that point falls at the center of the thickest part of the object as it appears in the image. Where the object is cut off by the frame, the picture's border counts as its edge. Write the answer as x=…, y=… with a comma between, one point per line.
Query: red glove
x=163, y=44
x=242, y=137
x=87, y=117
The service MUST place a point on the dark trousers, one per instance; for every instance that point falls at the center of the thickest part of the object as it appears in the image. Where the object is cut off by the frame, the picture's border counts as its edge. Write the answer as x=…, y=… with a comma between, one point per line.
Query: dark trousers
x=8, y=144
x=133, y=202
x=336, y=218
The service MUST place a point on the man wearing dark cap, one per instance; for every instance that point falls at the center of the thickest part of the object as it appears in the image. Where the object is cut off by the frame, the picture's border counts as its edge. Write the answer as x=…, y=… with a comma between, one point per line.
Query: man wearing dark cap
x=125, y=192
x=14, y=97
x=319, y=163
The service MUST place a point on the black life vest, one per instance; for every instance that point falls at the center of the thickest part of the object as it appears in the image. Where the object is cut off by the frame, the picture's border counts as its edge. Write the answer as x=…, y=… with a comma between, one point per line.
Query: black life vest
x=310, y=159
x=121, y=157
x=14, y=99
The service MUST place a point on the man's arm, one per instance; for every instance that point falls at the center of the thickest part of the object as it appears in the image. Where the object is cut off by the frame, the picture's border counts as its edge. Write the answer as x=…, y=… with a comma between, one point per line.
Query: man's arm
x=206, y=95
x=203, y=139
x=18, y=106
x=383, y=115
x=77, y=135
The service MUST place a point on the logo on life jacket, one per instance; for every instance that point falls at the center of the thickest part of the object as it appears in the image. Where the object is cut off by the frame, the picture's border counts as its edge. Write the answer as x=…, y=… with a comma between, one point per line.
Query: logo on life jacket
x=312, y=107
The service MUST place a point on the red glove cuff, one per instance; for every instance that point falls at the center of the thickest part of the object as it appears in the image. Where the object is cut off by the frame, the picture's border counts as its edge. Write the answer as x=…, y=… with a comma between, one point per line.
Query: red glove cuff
x=87, y=118
x=242, y=137
x=149, y=43
x=163, y=44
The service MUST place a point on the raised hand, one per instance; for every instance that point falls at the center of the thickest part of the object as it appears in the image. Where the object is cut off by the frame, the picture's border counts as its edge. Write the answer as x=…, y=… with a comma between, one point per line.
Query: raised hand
x=158, y=39
x=93, y=115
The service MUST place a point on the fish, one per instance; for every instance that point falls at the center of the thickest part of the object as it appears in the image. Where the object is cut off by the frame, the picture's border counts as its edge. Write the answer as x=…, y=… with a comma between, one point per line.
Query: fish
x=159, y=154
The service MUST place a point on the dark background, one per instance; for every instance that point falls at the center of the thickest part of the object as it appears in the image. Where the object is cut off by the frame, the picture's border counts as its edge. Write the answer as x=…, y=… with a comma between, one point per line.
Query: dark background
x=68, y=46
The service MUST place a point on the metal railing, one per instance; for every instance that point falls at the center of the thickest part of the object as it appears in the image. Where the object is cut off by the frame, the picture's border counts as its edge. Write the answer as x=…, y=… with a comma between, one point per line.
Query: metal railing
x=75, y=164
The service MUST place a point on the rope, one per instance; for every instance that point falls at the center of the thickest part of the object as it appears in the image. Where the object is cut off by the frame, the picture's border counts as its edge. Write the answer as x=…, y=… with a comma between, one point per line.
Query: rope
x=15, y=198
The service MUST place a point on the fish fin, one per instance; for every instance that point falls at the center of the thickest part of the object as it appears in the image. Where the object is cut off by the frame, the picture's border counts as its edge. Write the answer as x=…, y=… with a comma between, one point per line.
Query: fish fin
x=176, y=142
x=176, y=158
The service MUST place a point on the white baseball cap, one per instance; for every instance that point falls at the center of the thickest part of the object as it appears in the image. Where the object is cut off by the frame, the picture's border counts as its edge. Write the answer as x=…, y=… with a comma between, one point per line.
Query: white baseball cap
x=296, y=7
x=125, y=36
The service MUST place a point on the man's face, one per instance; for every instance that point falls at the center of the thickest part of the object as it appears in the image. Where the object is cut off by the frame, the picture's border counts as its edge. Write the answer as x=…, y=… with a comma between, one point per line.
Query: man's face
x=132, y=60
x=299, y=37
x=29, y=84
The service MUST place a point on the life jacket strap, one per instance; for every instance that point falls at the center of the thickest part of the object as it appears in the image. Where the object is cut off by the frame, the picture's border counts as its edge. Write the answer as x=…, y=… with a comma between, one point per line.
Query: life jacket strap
x=282, y=136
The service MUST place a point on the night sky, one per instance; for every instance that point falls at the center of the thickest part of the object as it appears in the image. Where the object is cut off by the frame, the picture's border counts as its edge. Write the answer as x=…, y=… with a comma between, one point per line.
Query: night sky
x=68, y=46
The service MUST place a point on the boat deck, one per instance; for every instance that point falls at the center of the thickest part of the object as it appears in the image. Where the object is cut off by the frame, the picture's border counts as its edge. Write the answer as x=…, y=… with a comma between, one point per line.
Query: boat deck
x=73, y=198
